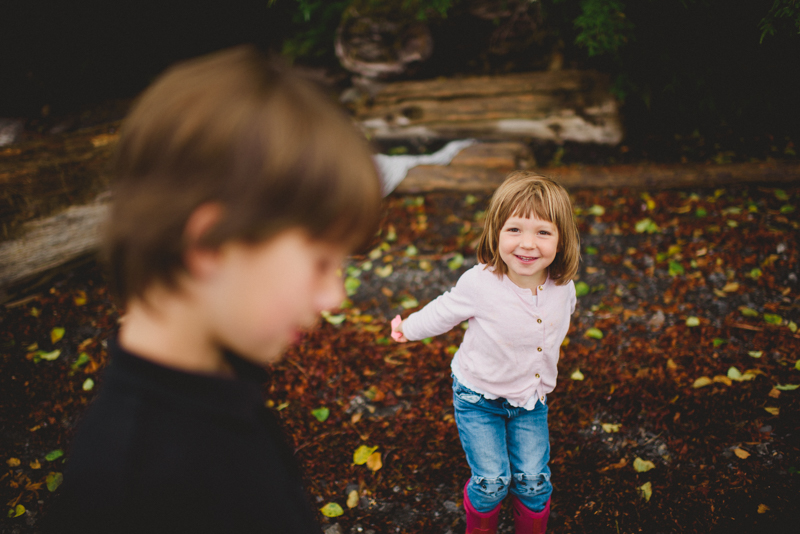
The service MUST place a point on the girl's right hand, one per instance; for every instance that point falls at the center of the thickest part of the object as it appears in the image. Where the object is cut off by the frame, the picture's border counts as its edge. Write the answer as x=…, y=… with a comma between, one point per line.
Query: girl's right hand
x=397, y=330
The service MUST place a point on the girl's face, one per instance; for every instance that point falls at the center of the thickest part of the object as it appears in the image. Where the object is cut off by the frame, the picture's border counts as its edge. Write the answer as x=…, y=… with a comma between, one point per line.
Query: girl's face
x=528, y=246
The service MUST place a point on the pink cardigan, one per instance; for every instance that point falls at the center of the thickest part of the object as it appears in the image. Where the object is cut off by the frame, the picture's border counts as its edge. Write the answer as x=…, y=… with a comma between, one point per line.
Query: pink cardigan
x=512, y=345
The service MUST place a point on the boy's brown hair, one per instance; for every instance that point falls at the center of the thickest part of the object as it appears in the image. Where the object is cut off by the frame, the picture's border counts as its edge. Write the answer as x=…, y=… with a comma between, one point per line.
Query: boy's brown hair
x=240, y=130
x=527, y=194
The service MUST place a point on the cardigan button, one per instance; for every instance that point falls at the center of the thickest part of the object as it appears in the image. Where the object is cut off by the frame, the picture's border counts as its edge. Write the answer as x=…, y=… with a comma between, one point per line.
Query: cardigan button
x=539, y=349
x=541, y=288
x=538, y=320
x=537, y=375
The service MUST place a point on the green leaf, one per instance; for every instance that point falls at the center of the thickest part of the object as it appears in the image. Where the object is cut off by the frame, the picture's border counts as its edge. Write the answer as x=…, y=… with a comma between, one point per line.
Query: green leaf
x=646, y=225
x=333, y=319
x=780, y=194
x=643, y=466
x=54, y=455
x=331, y=510
x=675, y=268
x=787, y=387
x=469, y=200
x=17, y=511
x=351, y=285
x=591, y=251
x=772, y=318
x=748, y=312
x=597, y=210
x=49, y=356
x=755, y=273
x=384, y=271
x=82, y=360
x=797, y=365
x=692, y=321
x=719, y=341
x=577, y=375
x=411, y=250
x=594, y=333
x=409, y=302
x=755, y=353
x=700, y=212
x=53, y=481
x=792, y=326
x=362, y=453
x=321, y=414
x=88, y=384
x=787, y=208
x=581, y=289
x=456, y=262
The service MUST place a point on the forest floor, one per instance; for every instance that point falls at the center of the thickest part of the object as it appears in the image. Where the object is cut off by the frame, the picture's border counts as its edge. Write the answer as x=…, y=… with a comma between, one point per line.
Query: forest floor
x=676, y=408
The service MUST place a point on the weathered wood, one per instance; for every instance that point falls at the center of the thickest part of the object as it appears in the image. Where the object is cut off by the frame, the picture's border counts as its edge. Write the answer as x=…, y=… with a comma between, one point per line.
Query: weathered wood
x=557, y=106
x=427, y=178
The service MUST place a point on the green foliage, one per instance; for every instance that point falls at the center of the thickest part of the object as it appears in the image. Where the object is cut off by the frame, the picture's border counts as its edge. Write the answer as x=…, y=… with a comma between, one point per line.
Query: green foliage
x=603, y=27
x=781, y=9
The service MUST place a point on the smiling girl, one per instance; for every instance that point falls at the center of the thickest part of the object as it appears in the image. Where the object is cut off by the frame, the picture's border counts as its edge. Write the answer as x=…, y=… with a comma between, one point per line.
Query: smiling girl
x=518, y=301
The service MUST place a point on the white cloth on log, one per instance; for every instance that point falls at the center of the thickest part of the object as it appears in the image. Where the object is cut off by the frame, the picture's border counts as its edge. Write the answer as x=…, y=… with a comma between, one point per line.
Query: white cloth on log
x=392, y=169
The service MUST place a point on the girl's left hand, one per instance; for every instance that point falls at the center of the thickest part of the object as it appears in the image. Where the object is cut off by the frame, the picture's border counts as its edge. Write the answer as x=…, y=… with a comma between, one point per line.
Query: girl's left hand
x=397, y=330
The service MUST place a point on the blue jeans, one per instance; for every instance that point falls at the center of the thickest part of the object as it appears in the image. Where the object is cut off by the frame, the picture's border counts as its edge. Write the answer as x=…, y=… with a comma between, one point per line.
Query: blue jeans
x=507, y=449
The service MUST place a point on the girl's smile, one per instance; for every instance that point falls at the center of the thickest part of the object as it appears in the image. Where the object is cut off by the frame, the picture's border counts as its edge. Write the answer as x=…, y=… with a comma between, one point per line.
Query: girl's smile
x=528, y=246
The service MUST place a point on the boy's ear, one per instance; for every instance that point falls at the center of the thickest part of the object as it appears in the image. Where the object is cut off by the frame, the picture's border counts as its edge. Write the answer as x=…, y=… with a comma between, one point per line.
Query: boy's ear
x=200, y=260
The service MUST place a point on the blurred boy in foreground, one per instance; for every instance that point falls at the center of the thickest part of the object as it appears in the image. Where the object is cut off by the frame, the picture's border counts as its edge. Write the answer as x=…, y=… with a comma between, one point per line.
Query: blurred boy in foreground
x=239, y=191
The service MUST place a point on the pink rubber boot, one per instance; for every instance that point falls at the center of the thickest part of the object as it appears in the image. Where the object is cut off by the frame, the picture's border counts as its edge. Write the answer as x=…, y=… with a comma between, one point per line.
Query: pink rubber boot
x=480, y=522
x=527, y=521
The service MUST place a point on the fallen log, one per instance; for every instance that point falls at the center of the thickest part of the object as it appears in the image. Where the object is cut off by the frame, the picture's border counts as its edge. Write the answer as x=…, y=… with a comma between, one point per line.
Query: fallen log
x=558, y=106
x=428, y=178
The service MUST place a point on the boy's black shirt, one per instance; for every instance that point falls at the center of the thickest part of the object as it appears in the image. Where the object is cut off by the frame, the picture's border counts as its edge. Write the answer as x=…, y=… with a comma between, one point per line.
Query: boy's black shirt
x=161, y=450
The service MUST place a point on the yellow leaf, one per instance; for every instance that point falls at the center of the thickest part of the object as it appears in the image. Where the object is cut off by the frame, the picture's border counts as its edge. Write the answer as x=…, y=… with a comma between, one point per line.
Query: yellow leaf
x=723, y=379
x=610, y=428
x=35, y=464
x=577, y=375
x=331, y=510
x=642, y=466
x=731, y=287
x=13, y=462
x=80, y=298
x=352, y=499
x=362, y=454
x=763, y=508
x=741, y=453
x=374, y=461
x=774, y=410
x=384, y=271
x=701, y=382
x=56, y=334
x=17, y=511
x=646, y=491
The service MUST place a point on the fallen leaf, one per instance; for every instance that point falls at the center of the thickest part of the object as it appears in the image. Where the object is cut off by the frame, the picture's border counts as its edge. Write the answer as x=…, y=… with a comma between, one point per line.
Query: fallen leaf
x=13, y=462
x=731, y=287
x=702, y=382
x=577, y=375
x=755, y=353
x=374, y=461
x=763, y=508
x=49, y=356
x=35, y=464
x=411, y=250
x=456, y=262
x=362, y=454
x=17, y=511
x=610, y=428
x=741, y=453
x=581, y=289
x=321, y=414
x=774, y=410
x=787, y=387
x=331, y=510
x=54, y=480
x=409, y=302
x=692, y=321
x=594, y=333
x=748, y=312
x=646, y=491
x=54, y=455
x=384, y=271
x=333, y=319
x=771, y=318
x=622, y=463
x=642, y=466
x=80, y=298
x=723, y=380
x=351, y=285
x=56, y=334
x=352, y=499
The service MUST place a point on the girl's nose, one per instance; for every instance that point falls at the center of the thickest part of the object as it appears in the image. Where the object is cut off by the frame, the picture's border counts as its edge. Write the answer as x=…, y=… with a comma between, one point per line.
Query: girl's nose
x=528, y=240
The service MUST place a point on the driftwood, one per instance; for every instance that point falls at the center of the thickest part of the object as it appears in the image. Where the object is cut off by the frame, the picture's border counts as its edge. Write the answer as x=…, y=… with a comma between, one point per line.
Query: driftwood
x=557, y=106
x=427, y=178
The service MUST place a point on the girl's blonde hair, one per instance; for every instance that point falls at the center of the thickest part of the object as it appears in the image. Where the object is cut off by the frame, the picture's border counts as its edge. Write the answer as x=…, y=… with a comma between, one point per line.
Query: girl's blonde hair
x=527, y=194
